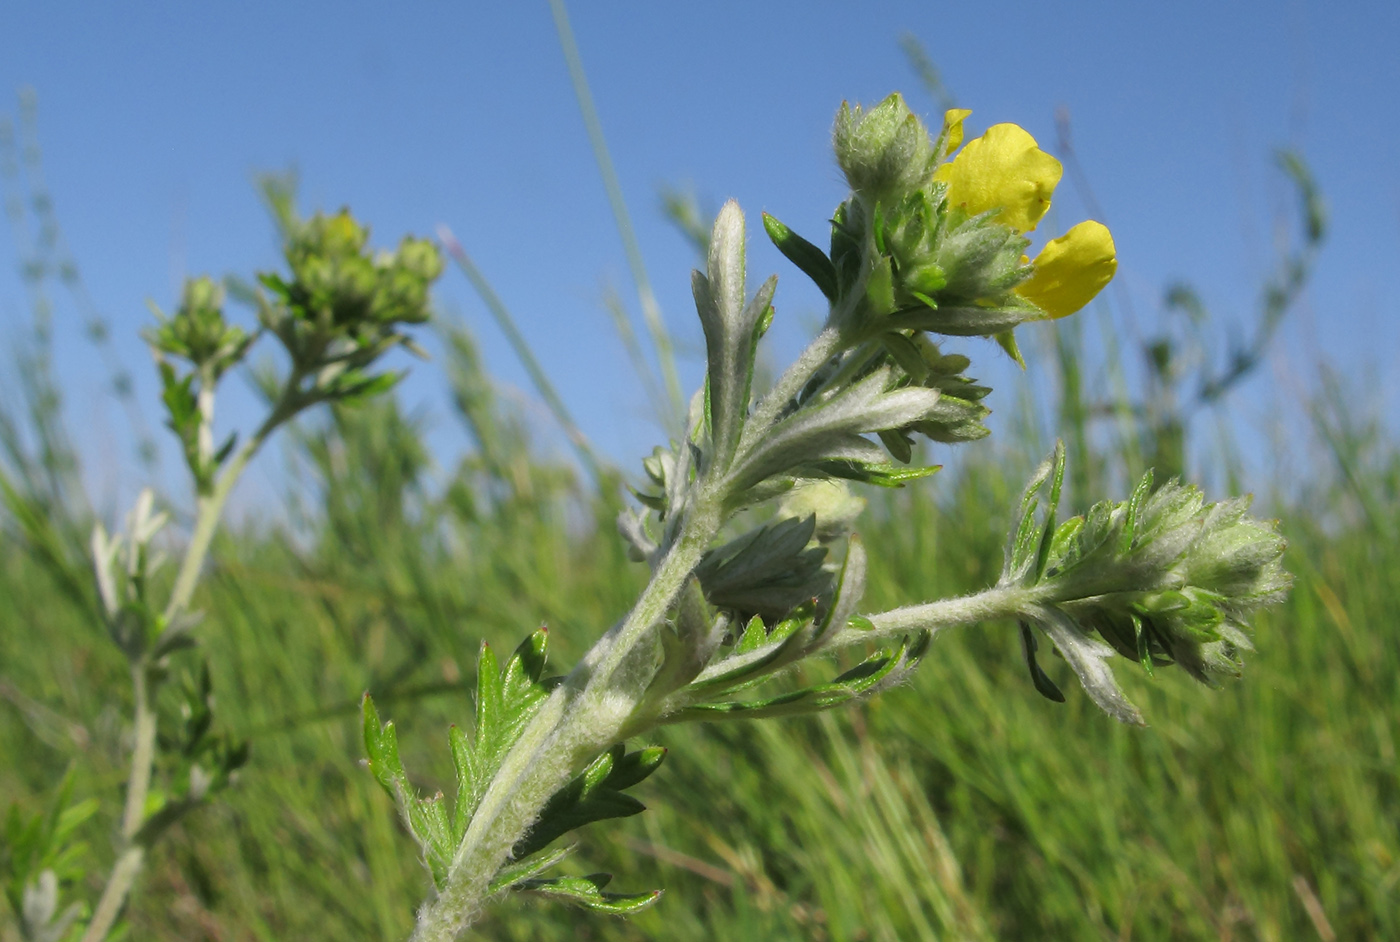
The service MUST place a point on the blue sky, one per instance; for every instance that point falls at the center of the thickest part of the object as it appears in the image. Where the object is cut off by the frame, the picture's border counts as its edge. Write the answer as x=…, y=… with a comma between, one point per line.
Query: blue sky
x=154, y=117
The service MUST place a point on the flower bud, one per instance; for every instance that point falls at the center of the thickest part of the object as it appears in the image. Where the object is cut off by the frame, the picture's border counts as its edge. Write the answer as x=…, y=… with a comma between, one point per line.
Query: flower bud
x=885, y=152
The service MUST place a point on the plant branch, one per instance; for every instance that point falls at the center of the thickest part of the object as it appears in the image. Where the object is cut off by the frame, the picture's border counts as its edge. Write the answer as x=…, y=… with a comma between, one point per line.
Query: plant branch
x=210, y=509
x=585, y=714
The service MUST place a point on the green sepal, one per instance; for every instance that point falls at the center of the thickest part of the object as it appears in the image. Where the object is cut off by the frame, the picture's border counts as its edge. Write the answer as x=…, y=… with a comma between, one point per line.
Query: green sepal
x=588, y=893
x=812, y=261
x=1007, y=341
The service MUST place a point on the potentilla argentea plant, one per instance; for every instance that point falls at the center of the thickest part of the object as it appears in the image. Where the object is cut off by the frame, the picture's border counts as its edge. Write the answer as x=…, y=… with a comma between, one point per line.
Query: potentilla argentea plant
x=336, y=311
x=931, y=242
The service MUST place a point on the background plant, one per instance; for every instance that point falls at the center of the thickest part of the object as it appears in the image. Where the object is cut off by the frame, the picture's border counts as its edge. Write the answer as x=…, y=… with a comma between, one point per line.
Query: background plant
x=336, y=313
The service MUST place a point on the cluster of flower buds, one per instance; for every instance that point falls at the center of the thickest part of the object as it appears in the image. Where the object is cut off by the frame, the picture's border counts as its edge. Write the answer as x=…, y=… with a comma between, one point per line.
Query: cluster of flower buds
x=1163, y=577
x=198, y=332
x=342, y=305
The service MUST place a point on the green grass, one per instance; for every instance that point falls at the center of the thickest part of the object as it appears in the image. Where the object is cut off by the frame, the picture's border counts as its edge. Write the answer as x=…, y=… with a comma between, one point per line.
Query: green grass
x=961, y=806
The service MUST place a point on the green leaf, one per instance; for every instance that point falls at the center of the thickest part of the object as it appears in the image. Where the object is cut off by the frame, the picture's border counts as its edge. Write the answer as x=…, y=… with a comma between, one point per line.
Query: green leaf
x=518, y=871
x=32, y=845
x=425, y=817
x=1047, y=536
x=849, y=587
x=878, y=672
x=588, y=893
x=881, y=475
x=754, y=636
x=1043, y=684
x=595, y=794
x=747, y=667
x=1133, y=513
x=506, y=700
x=806, y=256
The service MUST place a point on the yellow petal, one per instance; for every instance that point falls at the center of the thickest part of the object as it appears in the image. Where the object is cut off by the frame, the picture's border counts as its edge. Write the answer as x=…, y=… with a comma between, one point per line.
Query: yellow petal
x=1070, y=270
x=1003, y=169
x=953, y=120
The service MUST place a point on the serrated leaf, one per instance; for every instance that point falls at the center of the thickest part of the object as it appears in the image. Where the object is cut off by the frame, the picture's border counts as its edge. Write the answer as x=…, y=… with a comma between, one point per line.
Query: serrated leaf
x=588, y=893
x=744, y=669
x=382, y=750
x=506, y=700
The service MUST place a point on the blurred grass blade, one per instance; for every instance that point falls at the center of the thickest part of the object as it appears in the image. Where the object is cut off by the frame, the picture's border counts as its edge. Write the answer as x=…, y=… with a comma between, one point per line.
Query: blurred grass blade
x=597, y=468
x=651, y=311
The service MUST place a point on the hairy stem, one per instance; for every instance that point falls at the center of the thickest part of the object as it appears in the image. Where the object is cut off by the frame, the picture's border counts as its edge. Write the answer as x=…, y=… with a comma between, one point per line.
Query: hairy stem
x=124, y=874
x=209, y=510
x=585, y=714
x=138, y=785
x=823, y=348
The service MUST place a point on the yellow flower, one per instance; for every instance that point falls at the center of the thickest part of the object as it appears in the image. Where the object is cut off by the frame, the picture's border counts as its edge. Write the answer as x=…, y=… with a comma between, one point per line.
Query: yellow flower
x=1070, y=270
x=1003, y=169
x=953, y=129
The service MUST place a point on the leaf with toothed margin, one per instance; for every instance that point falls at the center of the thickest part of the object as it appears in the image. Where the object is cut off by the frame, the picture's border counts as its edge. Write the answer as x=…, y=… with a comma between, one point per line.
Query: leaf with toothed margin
x=757, y=654
x=507, y=698
x=425, y=817
x=588, y=893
